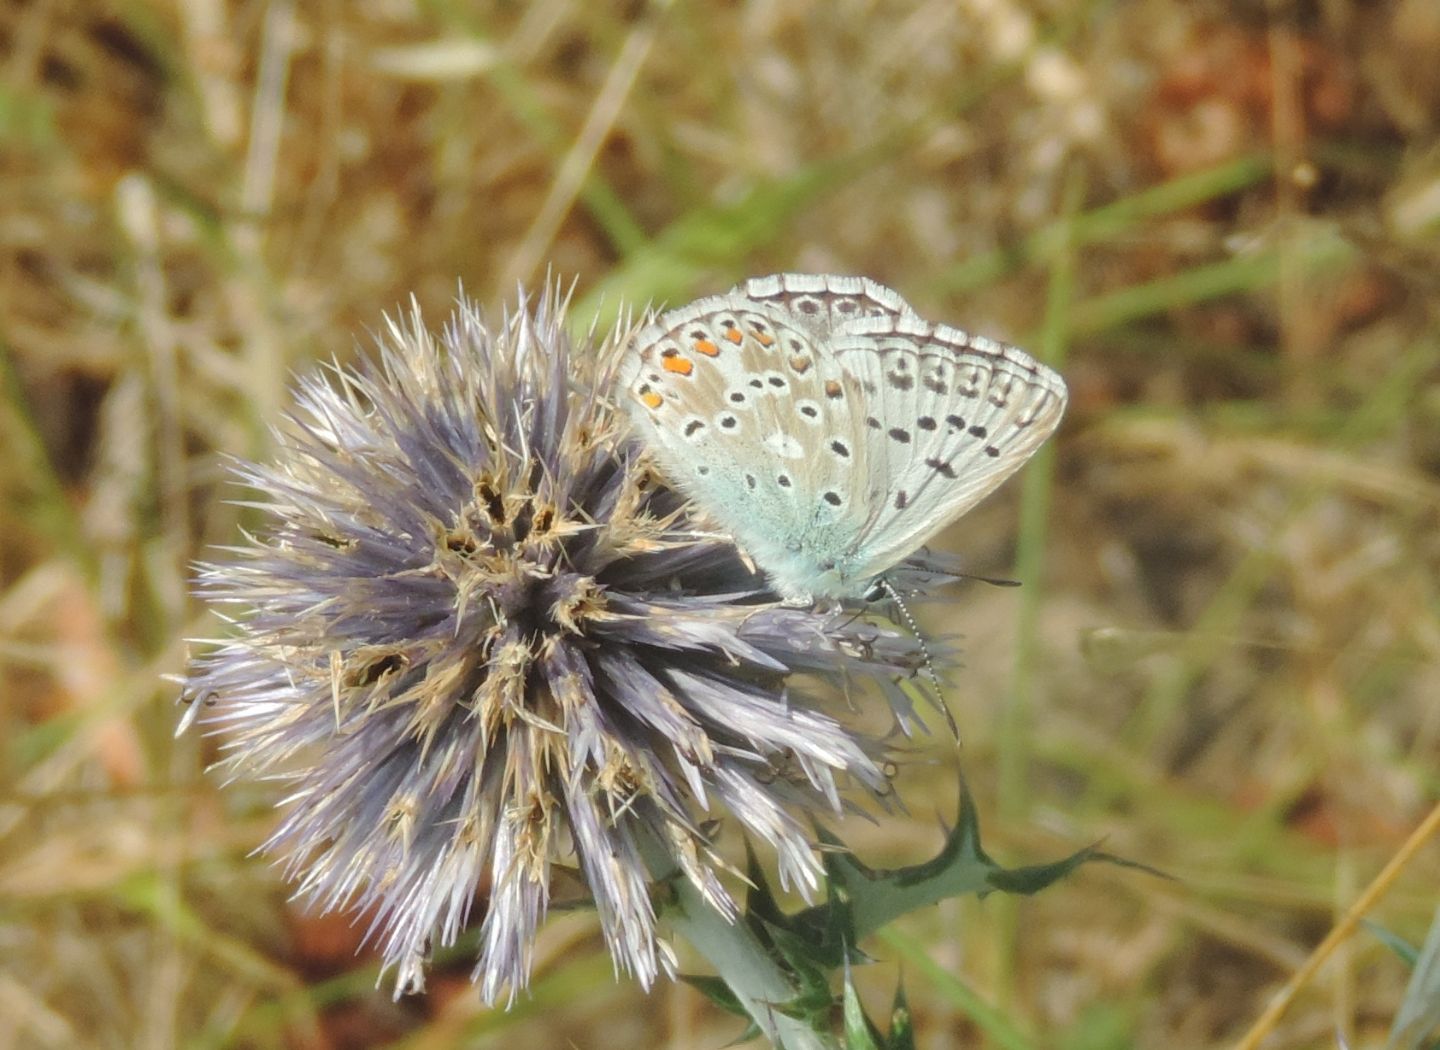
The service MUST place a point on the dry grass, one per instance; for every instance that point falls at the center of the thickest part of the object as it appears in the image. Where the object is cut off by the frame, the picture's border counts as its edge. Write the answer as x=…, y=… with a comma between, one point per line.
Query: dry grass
x=1227, y=657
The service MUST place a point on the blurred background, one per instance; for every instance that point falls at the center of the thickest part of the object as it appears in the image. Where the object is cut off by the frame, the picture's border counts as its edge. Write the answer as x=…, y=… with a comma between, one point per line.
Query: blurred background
x=1221, y=220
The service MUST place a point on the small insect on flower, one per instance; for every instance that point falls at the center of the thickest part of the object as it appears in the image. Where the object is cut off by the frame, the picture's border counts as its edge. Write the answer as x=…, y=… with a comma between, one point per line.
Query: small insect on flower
x=480, y=640
x=828, y=427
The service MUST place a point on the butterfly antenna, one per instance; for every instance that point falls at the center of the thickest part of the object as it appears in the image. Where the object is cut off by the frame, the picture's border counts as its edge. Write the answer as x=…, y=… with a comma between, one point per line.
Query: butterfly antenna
x=914, y=627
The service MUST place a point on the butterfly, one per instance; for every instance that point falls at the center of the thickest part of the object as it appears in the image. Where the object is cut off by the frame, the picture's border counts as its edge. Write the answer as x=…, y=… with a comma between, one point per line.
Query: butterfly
x=828, y=427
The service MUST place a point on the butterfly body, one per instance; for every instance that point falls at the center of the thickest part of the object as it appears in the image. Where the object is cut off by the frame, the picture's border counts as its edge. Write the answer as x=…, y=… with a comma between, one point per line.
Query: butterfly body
x=827, y=426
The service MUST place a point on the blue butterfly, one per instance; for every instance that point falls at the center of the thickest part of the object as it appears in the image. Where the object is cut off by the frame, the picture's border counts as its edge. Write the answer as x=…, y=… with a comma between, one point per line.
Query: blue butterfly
x=828, y=427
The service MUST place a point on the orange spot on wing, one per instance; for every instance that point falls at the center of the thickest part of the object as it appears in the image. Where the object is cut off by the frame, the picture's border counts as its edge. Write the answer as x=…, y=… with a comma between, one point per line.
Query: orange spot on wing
x=734, y=335
x=764, y=338
x=652, y=400
x=679, y=365
x=800, y=364
x=832, y=388
x=706, y=347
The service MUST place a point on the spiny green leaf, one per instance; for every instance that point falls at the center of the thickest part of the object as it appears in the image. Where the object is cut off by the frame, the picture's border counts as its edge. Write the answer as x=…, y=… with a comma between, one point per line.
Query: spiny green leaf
x=811, y=944
x=860, y=1031
x=808, y=968
x=798, y=953
x=862, y=900
x=902, y=1025
x=717, y=991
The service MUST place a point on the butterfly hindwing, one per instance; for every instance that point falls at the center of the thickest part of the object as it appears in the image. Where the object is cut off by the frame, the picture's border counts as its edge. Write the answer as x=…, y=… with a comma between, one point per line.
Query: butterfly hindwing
x=822, y=303
x=971, y=411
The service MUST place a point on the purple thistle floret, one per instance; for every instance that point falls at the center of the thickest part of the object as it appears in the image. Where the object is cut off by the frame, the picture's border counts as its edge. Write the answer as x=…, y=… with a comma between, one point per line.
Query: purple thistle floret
x=480, y=638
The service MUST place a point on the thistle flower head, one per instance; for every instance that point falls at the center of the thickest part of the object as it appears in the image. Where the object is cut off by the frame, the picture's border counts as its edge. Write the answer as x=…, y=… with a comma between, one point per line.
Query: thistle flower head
x=480, y=639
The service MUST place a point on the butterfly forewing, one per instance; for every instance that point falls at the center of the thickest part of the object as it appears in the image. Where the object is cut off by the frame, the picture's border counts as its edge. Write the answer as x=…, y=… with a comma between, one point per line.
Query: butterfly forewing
x=751, y=419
